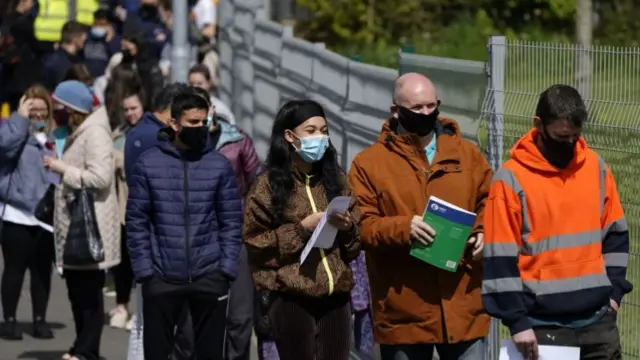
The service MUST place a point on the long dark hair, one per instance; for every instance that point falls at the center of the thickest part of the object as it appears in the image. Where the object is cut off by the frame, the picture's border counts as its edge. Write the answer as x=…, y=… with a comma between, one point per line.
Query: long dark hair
x=279, y=163
x=123, y=83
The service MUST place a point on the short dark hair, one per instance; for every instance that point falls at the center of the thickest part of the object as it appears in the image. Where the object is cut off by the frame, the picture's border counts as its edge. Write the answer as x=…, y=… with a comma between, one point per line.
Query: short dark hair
x=101, y=14
x=188, y=100
x=561, y=102
x=163, y=100
x=70, y=30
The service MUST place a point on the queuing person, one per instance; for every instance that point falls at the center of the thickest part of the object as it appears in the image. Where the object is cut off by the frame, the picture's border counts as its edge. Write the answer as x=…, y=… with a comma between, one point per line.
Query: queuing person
x=141, y=138
x=199, y=76
x=20, y=52
x=87, y=163
x=27, y=242
x=102, y=43
x=557, y=242
x=125, y=97
x=58, y=63
x=147, y=21
x=307, y=304
x=238, y=148
x=184, y=182
x=144, y=135
x=364, y=341
x=123, y=81
x=416, y=306
x=138, y=54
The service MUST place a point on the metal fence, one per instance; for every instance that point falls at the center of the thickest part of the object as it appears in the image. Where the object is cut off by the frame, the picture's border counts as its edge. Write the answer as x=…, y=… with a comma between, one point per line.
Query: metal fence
x=609, y=79
x=262, y=65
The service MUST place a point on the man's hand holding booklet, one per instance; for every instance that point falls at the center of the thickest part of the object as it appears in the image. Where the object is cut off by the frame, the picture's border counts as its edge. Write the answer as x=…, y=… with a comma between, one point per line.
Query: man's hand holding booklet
x=442, y=234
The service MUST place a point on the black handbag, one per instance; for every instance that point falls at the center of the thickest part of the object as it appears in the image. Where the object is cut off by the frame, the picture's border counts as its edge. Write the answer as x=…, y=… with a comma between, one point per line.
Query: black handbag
x=83, y=245
x=46, y=205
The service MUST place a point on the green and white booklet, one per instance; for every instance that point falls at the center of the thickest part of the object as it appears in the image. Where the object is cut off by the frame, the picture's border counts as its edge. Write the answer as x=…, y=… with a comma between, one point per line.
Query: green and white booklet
x=452, y=225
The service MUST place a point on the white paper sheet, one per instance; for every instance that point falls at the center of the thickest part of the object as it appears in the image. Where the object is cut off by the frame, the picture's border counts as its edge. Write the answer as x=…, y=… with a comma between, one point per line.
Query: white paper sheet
x=508, y=351
x=324, y=235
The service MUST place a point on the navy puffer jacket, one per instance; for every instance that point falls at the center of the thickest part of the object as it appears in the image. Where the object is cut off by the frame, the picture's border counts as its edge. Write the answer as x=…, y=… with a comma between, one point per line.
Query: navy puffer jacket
x=184, y=214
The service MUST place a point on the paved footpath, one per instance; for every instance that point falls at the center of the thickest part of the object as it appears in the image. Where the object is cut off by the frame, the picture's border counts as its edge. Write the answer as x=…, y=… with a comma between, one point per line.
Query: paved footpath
x=114, y=342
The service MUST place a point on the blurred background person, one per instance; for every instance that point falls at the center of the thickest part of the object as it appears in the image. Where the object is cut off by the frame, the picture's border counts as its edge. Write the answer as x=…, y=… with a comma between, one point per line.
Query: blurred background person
x=20, y=52
x=125, y=98
x=166, y=14
x=102, y=43
x=101, y=82
x=147, y=21
x=138, y=54
x=27, y=242
x=124, y=81
x=51, y=16
x=56, y=65
x=199, y=76
x=87, y=163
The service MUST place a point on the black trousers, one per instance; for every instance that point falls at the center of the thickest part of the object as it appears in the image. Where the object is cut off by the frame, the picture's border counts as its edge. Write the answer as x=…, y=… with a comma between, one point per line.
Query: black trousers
x=26, y=247
x=598, y=341
x=163, y=309
x=240, y=312
x=123, y=274
x=84, y=288
x=312, y=328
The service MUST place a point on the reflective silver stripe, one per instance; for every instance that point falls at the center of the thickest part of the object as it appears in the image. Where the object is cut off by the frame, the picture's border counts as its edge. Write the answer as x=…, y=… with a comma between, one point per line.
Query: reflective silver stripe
x=616, y=259
x=563, y=242
x=509, y=178
x=602, y=171
x=615, y=226
x=584, y=282
x=511, y=284
x=500, y=249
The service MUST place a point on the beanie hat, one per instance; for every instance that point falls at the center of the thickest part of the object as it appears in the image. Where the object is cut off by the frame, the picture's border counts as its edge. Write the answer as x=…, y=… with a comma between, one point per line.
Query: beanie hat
x=75, y=95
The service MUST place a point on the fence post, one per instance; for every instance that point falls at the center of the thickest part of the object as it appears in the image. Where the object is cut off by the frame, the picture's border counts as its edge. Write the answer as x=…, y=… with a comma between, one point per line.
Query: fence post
x=495, y=125
x=180, y=48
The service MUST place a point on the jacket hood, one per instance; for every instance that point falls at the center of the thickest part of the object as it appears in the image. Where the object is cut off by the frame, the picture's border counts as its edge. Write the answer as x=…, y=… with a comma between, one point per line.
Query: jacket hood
x=228, y=134
x=526, y=152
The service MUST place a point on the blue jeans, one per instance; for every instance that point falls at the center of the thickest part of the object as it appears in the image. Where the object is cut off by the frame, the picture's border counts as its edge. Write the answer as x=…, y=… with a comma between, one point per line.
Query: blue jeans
x=468, y=350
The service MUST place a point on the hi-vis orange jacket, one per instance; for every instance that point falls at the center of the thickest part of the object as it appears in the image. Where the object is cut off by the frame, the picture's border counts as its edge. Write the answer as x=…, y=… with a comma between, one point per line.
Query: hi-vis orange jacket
x=556, y=241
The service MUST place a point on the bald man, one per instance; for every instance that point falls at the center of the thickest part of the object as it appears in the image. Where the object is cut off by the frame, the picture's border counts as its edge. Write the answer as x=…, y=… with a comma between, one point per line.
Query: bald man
x=418, y=307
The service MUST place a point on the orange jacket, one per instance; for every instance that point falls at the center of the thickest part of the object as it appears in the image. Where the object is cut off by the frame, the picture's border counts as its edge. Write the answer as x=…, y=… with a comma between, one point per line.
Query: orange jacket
x=414, y=302
x=556, y=241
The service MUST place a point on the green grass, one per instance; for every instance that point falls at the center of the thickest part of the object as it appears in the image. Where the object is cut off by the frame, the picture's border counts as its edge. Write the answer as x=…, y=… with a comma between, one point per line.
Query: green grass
x=613, y=130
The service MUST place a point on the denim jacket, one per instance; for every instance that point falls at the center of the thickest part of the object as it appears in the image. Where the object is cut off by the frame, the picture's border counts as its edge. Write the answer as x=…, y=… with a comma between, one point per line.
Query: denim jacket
x=30, y=178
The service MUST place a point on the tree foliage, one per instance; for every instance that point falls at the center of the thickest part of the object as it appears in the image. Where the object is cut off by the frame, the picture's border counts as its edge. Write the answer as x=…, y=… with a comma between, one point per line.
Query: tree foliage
x=370, y=24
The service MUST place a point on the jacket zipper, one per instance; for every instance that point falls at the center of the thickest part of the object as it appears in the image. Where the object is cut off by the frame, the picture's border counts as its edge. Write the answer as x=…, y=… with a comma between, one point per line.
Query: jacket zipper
x=325, y=262
x=187, y=218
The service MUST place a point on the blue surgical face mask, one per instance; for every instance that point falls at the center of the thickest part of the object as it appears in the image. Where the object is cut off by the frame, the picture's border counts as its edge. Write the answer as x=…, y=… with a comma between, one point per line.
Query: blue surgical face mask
x=98, y=32
x=312, y=148
x=38, y=125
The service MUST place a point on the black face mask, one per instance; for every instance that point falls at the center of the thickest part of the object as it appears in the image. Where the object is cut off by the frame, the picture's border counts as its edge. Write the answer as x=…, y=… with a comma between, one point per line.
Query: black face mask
x=127, y=56
x=148, y=11
x=417, y=123
x=194, y=137
x=558, y=153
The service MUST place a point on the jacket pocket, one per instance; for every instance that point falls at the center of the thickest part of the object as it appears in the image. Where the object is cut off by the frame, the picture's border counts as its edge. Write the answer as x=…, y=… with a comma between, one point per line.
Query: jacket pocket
x=573, y=287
